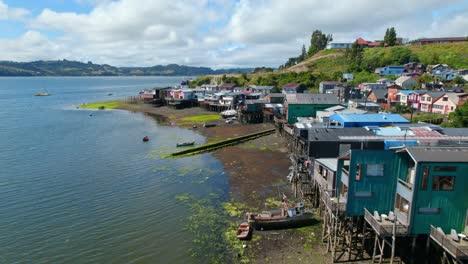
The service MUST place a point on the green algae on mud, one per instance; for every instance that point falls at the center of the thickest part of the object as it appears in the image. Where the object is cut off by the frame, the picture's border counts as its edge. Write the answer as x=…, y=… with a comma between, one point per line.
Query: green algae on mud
x=201, y=118
x=113, y=104
x=220, y=243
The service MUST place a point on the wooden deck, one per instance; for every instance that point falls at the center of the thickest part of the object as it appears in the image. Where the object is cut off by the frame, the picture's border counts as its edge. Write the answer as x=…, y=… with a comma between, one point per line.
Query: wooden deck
x=384, y=227
x=458, y=250
x=332, y=204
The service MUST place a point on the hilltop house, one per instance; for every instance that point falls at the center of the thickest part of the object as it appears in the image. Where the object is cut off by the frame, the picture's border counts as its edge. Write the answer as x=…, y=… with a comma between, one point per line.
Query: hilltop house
x=227, y=87
x=426, y=41
x=428, y=99
x=292, y=88
x=415, y=67
x=349, y=77
x=386, y=81
x=339, y=45
x=406, y=82
x=446, y=104
x=366, y=43
x=372, y=86
x=325, y=86
x=264, y=90
x=390, y=70
x=437, y=69
x=378, y=96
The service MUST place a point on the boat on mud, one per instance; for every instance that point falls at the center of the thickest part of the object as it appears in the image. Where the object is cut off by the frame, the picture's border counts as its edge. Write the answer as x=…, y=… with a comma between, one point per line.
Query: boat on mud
x=145, y=139
x=229, y=113
x=244, y=232
x=287, y=217
x=185, y=144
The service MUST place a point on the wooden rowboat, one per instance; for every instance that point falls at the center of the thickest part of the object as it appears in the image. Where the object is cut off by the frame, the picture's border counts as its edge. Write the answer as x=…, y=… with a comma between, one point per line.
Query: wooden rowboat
x=244, y=231
x=185, y=144
x=280, y=219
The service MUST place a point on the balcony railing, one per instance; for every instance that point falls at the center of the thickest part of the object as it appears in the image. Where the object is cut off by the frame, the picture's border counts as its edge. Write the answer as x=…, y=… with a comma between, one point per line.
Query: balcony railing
x=458, y=250
x=384, y=227
x=332, y=202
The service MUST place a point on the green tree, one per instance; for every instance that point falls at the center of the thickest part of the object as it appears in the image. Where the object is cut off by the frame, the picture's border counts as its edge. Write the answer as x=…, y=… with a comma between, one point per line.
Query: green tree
x=318, y=42
x=354, y=57
x=458, y=80
x=459, y=118
x=303, y=55
x=390, y=37
x=425, y=79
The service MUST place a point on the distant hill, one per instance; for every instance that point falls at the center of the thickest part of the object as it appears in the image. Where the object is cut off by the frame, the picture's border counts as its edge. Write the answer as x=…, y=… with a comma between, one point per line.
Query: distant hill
x=76, y=68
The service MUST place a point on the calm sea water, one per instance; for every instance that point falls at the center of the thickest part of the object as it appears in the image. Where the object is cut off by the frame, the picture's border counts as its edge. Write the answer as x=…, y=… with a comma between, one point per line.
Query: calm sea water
x=76, y=188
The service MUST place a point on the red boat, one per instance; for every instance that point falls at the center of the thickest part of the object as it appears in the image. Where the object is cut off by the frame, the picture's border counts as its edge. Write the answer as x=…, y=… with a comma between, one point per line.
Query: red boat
x=145, y=138
x=244, y=231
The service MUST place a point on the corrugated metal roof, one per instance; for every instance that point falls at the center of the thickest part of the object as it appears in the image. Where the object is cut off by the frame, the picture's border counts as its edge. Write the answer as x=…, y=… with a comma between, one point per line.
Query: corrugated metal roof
x=335, y=108
x=390, y=118
x=439, y=154
x=328, y=134
x=329, y=163
x=312, y=99
x=455, y=131
x=291, y=85
x=277, y=95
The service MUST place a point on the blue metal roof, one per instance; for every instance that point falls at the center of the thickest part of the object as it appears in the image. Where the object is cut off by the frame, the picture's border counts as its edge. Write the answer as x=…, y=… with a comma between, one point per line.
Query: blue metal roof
x=369, y=118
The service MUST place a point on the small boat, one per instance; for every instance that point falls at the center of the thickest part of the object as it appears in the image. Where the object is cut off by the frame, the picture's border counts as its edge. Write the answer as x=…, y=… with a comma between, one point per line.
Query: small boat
x=244, y=232
x=45, y=93
x=101, y=107
x=281, y=219
x=42, y=94
x=109, y=94
x=209, y=125
x=228, y=113
x=185, y=144
x=145, y=138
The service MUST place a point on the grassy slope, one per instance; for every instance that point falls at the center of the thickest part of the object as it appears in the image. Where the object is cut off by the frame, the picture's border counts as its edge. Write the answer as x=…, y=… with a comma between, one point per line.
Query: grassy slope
x=107, y=104
x=329, y=61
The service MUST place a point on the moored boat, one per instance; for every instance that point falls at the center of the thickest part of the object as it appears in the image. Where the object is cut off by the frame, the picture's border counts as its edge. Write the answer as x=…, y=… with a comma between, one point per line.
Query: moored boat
x=281, y=219
x=244, y=231
x=229, y=113
x=185, y=144
x=145, y=138
x=42, y=94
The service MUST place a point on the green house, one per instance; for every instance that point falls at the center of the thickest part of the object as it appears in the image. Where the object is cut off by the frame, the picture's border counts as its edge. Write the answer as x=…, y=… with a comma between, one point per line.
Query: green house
x=367, y=179
x=307, y=105
x=433, y=190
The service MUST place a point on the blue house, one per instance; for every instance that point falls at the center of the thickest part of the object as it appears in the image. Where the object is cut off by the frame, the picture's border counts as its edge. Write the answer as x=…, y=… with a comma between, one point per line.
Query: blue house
x=390, y=70
x=360, y=120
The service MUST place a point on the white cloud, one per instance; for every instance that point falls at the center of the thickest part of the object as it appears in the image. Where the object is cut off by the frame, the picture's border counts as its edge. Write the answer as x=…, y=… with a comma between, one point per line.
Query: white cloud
x=8, y=13
x=217, y=33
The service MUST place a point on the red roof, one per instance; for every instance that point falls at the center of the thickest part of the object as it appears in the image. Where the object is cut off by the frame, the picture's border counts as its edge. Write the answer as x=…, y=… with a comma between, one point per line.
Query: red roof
x=291, y=86
x=227, y=86
x=362, y=41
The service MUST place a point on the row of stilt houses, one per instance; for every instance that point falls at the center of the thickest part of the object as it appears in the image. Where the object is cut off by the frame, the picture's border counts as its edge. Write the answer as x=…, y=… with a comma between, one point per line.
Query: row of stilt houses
x=394, y=193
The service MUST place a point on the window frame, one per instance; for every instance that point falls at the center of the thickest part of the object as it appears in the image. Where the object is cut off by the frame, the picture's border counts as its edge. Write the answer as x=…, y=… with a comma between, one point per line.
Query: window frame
x=436, y=184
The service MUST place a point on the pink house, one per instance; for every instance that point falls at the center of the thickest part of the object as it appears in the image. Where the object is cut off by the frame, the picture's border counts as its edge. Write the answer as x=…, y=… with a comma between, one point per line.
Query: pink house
x=445, y=104
x=428, y=99
x=414, y=98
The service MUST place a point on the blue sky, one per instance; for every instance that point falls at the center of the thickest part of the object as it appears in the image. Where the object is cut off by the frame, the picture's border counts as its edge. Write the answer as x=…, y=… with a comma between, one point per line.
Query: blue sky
x=214, y=33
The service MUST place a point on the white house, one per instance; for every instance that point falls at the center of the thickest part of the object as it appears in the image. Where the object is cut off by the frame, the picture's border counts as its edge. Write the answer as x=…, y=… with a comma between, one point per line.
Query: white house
x=406, y=82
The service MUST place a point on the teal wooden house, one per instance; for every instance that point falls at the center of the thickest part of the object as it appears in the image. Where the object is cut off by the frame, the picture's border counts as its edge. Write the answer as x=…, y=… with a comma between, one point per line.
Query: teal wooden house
x=366, y=179
x=434, y=189
x=307, y=105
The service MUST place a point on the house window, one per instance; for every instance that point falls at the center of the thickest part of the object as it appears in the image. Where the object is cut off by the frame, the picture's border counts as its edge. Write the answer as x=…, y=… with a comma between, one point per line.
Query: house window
x=443, y=183
x=428, y=99
x=451, y=108
x=445, y=99
x=402, y=204
x=425, y=178
x=358, y=172
x=429, y=210
x=423, y=98
x=375, y=170
x=445, y=168
x=343, y=189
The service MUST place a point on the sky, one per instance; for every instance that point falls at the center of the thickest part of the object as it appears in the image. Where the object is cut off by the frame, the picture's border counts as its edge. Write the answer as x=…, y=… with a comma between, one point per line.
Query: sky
x=212, y=33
